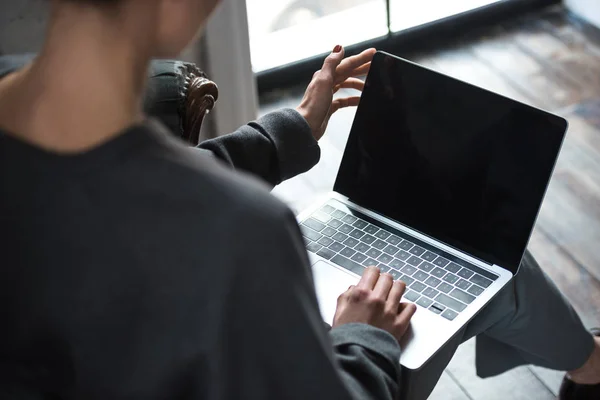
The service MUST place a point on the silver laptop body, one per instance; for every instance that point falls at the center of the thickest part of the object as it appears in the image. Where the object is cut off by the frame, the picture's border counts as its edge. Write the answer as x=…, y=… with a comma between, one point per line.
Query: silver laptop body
x=347, y=230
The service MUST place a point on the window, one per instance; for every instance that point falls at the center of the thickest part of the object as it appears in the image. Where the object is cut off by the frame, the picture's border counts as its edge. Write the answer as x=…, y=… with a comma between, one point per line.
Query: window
x=283, y=32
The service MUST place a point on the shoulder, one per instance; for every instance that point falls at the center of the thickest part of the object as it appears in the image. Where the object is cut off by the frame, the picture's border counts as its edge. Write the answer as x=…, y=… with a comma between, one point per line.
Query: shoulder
x=191, y=174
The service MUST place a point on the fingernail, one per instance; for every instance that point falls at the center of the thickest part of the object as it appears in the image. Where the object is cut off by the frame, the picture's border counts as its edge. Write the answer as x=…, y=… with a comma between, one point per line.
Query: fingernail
x=337, y=49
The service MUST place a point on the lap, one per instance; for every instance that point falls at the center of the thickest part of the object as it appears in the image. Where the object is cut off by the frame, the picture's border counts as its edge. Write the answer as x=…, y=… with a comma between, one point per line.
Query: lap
x=529, y=321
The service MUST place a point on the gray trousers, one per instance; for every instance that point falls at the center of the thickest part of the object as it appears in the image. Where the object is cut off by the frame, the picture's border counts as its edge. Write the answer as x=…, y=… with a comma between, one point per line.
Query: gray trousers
x=528, y=322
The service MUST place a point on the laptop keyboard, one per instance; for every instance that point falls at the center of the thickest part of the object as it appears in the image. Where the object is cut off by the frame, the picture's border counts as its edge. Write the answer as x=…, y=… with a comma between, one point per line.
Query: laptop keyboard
x=433, y=282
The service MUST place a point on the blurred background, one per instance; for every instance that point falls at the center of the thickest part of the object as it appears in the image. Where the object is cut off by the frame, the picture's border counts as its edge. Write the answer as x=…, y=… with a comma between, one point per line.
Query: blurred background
x=311, y=25
x=546, y=53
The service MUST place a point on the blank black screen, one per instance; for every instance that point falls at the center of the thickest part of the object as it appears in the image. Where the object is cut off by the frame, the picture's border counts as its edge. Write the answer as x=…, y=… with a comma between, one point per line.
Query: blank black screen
x=453, y=161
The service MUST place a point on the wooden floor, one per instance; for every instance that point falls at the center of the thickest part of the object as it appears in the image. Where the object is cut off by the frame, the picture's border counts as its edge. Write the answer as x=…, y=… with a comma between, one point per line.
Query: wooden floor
x=552, y=61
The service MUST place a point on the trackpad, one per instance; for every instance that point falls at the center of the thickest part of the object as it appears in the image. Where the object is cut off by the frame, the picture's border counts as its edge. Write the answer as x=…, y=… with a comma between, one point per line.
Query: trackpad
x=330, y=282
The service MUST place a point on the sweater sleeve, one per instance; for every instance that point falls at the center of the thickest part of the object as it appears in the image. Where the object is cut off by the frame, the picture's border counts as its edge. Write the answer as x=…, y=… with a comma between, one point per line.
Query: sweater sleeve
x=276, y=147
x=294, y=352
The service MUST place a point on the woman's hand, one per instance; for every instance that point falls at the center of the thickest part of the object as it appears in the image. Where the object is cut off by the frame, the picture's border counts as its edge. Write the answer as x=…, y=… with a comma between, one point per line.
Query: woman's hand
x=337, y=73
x=375, y=301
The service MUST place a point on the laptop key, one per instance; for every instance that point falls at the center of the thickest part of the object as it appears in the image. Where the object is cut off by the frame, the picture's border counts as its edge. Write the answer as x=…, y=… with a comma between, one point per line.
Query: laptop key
x=417, y=286
x=314, y=224
x=411, y=295
x=444, y=287
x=359, y=224
x=475, y=290
x=450, y=302
x=425, y=266
x=408, y=269
x=430, y=292
x=465, y=273
x=362, y=247
x=393, y=239
x=382, y=235
x=438, y=272
x=359, y=258
x=424, y=302
x=369, y=262
x=395, y=274
x=357, y=234
x=310, y=234
x=462, y=284
x=441, y=261
x=420, y=275
x=349, y=219
x=373, y=253
x=314, y=247
x=371, y=229
x=348, y=252
x=429, y=256
x=417, y=251
x=433, y=282
x=462, y=296
x=383, y=268
x=397, y=264
x=335, y=223
x=336, y=246
x=368, y=239
x=351, y=242
x=321, y=216
x=407, y=279
x=403, y=255
x=345, y=228
x=379, y=244
x=450, y=278
x=339, y=214
x=449, y=314
x=328, y=231
x=453, y=267
x=340, y=237
x=385, y=258
x=405, y=245
x=414, y=260
x=325, y=241
x=325, y=253
x=480, y=280
x=327, y=209
x=391, y=250
x=435, y=310
x=348, y=264
x=439, y=306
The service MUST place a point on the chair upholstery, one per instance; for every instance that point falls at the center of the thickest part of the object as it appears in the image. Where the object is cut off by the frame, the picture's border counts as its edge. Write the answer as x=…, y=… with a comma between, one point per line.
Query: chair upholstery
x=180, y=95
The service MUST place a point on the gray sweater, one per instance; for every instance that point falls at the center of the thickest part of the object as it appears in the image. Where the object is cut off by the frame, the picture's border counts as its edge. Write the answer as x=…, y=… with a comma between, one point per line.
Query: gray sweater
x=145, y=269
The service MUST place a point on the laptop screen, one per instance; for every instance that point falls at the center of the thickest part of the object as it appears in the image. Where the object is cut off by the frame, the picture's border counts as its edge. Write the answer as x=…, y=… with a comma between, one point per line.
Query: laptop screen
x=458, y=163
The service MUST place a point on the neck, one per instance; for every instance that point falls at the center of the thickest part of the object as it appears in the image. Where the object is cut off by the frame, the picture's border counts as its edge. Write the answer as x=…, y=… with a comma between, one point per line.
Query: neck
x=84, y=87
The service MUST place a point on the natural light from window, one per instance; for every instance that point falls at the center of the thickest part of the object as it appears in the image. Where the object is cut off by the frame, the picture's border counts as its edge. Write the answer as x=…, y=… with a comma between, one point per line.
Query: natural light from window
x=286, y=31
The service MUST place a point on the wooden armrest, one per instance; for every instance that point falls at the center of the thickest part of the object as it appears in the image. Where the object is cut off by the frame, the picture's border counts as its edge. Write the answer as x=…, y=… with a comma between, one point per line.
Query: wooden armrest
x=200, y=94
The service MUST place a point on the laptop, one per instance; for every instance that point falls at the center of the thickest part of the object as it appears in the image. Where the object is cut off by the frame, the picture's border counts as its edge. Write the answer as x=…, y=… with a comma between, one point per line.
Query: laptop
x=440, y=185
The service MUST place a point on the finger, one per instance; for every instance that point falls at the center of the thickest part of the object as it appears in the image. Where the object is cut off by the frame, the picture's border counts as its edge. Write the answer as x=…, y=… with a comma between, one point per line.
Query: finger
x=396, y=293
x=345, y=295
x=362, y=70
x=383, y=286
x=359, y=71
x=349, y=64
x=407, y=310
x=343, y=103
x=350, y=83
x=369, y=278
x=332, y=61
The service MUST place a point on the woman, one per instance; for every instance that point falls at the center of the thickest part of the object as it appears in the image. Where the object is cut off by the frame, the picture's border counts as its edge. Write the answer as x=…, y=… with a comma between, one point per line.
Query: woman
x=135, y=267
